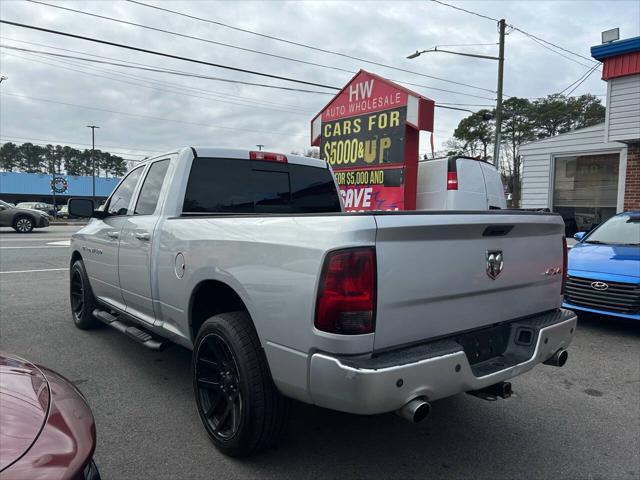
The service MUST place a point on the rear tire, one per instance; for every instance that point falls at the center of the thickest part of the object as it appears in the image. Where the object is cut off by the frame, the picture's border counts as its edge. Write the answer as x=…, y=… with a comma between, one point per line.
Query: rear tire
x=83, y=303
x=238, y=403
x=23, y=224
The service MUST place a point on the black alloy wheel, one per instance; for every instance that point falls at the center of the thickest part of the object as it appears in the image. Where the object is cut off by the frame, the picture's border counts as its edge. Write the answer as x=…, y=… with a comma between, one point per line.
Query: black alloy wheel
x=77, y=295
x=237, y=400
x=81, y=297
x=218, y=387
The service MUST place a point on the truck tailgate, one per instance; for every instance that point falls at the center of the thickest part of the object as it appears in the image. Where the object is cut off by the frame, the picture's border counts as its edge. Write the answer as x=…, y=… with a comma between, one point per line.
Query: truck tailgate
x=433, y=277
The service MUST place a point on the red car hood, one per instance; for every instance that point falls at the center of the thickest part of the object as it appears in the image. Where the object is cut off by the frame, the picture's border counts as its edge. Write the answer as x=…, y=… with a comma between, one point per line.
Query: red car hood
x=24, y=396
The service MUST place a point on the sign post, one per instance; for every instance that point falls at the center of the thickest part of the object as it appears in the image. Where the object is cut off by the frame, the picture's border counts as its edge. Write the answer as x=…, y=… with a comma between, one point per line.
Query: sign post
x=58, y=185
x=369, y=134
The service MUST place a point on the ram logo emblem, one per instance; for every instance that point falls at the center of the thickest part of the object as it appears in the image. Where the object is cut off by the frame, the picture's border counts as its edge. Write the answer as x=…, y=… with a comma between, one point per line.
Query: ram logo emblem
x=495, y=263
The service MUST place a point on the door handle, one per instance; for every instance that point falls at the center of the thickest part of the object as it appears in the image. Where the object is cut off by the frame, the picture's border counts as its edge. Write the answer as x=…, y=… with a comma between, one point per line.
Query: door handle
x=113, y=234
x=143, y=236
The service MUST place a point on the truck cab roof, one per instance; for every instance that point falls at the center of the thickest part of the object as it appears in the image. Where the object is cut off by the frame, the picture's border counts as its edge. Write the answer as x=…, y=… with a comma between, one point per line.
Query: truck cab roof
x=243, y=154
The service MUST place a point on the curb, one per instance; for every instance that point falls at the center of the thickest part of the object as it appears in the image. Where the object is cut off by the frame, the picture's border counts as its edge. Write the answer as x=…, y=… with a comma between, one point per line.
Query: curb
x=56, y=224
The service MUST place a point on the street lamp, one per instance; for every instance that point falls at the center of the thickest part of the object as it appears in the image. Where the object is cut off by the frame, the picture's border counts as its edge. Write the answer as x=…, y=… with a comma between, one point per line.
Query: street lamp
x=93, y=159
x=417, y=53
x=500, y=58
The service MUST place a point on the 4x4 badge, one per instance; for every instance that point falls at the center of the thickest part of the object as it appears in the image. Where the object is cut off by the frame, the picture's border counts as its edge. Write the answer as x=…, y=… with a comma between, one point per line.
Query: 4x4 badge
x=494, y=263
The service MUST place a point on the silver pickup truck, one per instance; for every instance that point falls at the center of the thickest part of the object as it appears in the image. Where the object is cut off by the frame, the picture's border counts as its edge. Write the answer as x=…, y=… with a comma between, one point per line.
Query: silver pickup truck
x=247, y=259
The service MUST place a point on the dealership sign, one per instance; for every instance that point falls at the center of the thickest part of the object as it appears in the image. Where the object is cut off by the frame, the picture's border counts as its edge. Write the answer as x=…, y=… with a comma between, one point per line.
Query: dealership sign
x=59, y=184
x=369, y=135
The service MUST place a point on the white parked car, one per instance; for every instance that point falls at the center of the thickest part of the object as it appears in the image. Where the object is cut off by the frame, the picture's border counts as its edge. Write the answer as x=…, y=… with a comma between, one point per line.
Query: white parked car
x=459, y=183
x=247, y=259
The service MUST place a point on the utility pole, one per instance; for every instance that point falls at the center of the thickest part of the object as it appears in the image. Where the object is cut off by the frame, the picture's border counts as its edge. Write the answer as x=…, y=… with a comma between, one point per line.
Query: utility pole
x=93, y=159
x=502, y=26
x=260, y=145
x=496, y=149
x=53, y=189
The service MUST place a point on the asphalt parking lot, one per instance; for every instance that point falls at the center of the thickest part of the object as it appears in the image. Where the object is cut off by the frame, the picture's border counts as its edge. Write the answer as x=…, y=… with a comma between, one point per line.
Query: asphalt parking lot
x=581, y=421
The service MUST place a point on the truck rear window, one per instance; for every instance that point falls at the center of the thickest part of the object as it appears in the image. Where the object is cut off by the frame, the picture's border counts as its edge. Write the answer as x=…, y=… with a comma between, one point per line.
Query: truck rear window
x=220, y=185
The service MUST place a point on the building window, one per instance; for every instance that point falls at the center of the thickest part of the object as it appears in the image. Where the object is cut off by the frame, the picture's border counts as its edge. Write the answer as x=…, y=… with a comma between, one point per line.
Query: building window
x=585, y=190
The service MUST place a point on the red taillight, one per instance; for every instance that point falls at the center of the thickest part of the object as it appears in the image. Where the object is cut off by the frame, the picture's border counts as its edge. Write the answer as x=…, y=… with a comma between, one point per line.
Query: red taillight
x=452, y=180
x=564, y=264
x=268, y=157
x=346, y=296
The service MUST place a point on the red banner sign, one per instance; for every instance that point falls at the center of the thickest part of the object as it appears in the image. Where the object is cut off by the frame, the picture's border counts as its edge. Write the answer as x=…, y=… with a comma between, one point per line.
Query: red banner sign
x=368, y=134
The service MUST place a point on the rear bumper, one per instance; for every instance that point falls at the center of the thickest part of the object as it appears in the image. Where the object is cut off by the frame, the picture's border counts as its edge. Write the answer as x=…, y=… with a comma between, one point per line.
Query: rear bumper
x=435, y=370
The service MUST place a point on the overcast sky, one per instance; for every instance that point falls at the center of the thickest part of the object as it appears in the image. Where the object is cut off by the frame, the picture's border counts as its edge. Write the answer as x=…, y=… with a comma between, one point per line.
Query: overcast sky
x=164, y=111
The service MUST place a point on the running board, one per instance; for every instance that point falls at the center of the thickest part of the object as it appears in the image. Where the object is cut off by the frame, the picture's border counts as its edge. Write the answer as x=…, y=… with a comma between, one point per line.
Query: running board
x=138, y=334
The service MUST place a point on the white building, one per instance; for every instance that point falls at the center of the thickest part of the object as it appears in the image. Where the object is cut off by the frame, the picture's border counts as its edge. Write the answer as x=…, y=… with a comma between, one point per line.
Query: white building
x=590, y=174
x=576, y=174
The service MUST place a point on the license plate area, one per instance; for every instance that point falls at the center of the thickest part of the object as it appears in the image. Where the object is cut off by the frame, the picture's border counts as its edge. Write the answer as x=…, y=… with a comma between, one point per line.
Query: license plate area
x=499, y=347
x=485, y=344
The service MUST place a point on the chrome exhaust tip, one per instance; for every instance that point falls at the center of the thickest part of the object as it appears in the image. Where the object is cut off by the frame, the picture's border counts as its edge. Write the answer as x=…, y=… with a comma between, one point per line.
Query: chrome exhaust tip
x=558, y=359
x=416, y=410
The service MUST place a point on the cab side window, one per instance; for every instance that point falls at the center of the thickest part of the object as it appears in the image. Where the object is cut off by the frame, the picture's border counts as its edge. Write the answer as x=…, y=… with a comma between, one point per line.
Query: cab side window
x=221, y=185
x=119, y=202
x=150, y=191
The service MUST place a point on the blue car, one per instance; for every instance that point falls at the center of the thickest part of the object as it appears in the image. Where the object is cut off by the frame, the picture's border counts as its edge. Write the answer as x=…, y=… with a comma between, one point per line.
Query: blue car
x=604, y=269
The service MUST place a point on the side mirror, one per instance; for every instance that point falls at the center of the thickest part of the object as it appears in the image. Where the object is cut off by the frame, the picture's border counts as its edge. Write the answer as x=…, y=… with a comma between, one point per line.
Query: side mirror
x=579, y=236
x=80, y=207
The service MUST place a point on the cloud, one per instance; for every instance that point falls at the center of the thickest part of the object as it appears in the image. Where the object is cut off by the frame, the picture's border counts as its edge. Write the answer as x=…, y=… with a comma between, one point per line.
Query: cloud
x=176, y=111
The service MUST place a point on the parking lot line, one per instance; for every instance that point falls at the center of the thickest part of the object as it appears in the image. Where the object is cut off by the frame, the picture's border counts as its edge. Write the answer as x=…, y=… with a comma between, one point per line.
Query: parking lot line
x=37, y=246
x=33, y=271
x=22, y=240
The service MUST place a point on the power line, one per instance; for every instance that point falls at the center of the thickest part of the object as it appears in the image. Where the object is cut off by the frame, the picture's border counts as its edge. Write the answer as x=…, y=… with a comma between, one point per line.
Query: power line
x=176, y=91
x=470, y=104
x=466, y=11
x=167, y=55
x=163, y=54
x=468, y=45
x=439, y=105
x=585, y=74
x=537, y=39
x=191, y=37
x=181, y=121
x=311, y=47
x=223, y=94
x=583, y=80
x=532, y=37
x=262, y=85
x=144, y=116
x=172, y=71
x=164, y=70
x=441, y=89
x=183, y=73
